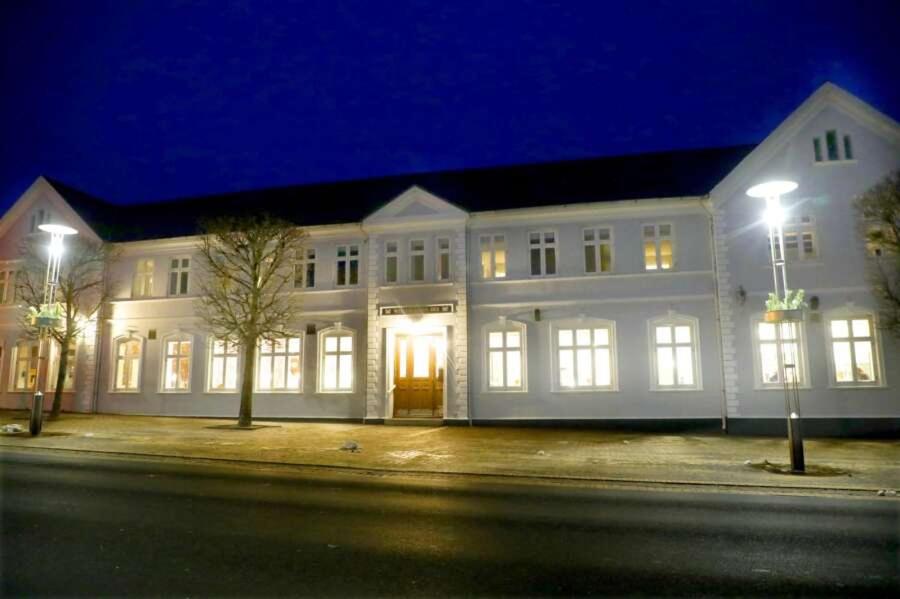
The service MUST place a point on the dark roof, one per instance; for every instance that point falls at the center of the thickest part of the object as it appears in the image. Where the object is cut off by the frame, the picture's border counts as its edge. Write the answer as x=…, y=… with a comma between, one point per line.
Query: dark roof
x=637, y=176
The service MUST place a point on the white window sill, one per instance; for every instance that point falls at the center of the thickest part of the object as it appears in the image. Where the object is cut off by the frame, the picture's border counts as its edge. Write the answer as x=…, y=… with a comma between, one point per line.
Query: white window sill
x=675, y=389
x=174, y=391
x=833, y=162
x=125, y=392
x=505, y=391
x=337, y=392
x=780, y=388
x=858, y=386
x=221, y=391
x=279, y=392
x=585, y=390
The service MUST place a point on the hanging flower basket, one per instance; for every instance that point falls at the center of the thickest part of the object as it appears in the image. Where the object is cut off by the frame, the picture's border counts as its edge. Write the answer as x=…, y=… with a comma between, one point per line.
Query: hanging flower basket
x=789, y=309
x=50, y=315
x=776, y=316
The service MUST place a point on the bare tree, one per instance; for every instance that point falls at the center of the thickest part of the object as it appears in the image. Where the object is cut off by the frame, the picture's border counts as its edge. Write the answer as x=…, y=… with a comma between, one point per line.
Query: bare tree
x=246, y=282
x=81, y=293
x=879, y=220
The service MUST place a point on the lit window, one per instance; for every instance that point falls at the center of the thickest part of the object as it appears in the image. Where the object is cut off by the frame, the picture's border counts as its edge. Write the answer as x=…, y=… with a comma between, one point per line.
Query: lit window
x=854, y=352
x=585, y=354
x=774, y=367
x=675, y=355
x=305, y=268
x=336, y=360
x=799, y=239
x=223, y=365
x=142, y=285
x=880, y=239
x=279, y=364
x=443, y=259
x=7, y=287
x=493, y=256
x=598, y=247
x=658, y=248
x=53, y=367
x=127, y=372
x=542, y=253
x=179, y=273
x=417, y=260
x=506, y=356
x=391, y=258
x=347, y=265
x=177, y=351
x=24, y=366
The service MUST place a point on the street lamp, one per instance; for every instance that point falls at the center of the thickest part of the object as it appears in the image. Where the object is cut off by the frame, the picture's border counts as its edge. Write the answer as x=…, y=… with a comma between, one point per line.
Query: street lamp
x=771, y=192
x=49, y=314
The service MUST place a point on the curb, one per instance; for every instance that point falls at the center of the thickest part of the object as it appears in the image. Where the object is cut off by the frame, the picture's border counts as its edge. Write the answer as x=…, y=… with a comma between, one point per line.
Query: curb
x=547, y=478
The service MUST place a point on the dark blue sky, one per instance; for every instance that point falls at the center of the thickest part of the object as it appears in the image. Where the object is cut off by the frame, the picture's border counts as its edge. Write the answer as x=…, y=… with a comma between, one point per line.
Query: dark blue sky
x=134, y=101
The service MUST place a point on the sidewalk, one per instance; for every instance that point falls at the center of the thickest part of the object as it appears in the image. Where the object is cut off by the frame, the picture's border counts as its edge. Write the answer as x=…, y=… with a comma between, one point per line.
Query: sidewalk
x=557, y=454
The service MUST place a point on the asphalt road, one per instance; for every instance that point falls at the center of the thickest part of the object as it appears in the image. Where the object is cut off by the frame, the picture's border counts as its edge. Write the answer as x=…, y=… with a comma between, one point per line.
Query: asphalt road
x=82, y=525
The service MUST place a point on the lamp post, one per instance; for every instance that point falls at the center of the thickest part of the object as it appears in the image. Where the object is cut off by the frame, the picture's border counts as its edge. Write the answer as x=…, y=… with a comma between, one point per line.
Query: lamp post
x=49, y=314
x=771, y=192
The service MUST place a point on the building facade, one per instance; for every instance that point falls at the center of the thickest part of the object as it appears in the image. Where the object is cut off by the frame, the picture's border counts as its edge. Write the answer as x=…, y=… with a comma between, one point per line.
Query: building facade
x=618, y=289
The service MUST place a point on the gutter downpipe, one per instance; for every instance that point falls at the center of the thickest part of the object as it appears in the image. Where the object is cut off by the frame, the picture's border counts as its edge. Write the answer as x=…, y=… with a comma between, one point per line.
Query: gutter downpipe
x=468, y=337
x=715, y=265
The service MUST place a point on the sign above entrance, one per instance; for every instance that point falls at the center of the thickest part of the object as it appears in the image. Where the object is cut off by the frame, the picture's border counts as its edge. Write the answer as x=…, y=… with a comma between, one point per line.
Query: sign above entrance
x=407, y=310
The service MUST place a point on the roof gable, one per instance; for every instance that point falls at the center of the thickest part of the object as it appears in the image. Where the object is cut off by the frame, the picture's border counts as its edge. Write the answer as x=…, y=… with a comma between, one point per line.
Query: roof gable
x=414, y=205
x=43, y=192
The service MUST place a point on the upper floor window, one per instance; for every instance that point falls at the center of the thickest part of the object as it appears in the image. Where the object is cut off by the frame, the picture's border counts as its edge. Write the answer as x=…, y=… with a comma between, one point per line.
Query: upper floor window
x=505, y=356
x=24, y=366
x=675, y=355
x=53, y=367
x=585, y=354
x=305, y=268
x=279, y=364
x=880, y=239
x=39, y=217
x=179, y=273
x=854, y=352
x=442, y=266
x=781, y=354
x=417, y=260
x=222, y=365
x=177, y=350
x=493, y=256
x=542, y=252
x=347, y=265
x=142, y=285
x=7, y=286
x=598, y=245
x=128, y=352
x=336, y=349
x=391, y=258
x=658, y=248
x=799, y=239
x=833, y=147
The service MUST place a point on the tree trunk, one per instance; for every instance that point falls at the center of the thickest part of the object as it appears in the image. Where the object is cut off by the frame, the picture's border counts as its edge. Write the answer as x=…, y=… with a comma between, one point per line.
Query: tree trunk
x=245, y=418
x=60, y=378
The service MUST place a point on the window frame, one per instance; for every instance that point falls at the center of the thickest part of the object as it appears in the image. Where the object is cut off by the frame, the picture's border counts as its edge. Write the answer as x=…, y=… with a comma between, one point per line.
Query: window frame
x=596, y=243
x=179, y=271
x=542, y=247
x=574, y=324
x=850, y=314
x=492, y=252
x=504, y=326
x=673, y=320
x=308, y=258
x=412, y=255
x=336, y=331
x=842, y=143
x=805, y=381
x=287, y=354
x=348, y=258
x=114, y=362
x=439, y=253
x=145, y=277
x=389, y=255
x=164, y=357
x=8, y=295
x=657, y=239
x=53, y=357
x=795, y=225
x=14, y=362
x=210, y=356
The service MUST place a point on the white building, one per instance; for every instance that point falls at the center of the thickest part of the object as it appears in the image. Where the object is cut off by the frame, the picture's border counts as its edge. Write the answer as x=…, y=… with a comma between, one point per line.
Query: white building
x=615, y=289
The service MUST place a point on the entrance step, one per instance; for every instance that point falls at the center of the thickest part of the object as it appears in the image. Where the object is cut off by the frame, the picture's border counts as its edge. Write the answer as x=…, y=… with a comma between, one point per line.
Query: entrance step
x=414, y=421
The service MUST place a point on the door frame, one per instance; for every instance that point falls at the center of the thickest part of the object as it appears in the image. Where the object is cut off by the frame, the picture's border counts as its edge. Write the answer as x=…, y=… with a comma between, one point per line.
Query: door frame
x=390, y=355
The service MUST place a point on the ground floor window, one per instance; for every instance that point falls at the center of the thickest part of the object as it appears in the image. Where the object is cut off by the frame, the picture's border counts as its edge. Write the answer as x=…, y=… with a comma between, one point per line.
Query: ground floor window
x=279, y=364
x=24, y=366
x=853, y=351
x=53, y=367
x=584, y=355
x=223, y=365
x=177, y=363
x=675, y=353
x=128, y=352
x=780, y=354
x=336, y=350
x=506, y=356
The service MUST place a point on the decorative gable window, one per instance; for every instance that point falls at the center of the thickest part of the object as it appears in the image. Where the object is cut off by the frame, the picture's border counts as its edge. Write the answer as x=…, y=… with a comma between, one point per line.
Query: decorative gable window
x=7, y=286
x=280, y=365
x=585, y=355
x=222, y=366
x=854, y=354
x=658, y=247
x=347, y=265
x=598, y=250
x=179, y=274
x=177, y=350
x=442, y=267
x=674, y=353
x=505, y=356
x=833, y=146
x=391, y=258
x=542, y=252
x=336, y=348
x=38, y=218
x=305, y=268
x=780, y=354
x=493, y=256
x=53, y=367
x=142, y=284
x=24, y=366
x=417, y=260
x=128, y=352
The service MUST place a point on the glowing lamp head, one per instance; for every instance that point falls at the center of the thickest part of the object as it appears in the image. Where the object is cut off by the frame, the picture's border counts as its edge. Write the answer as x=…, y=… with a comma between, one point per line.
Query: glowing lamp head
x=771, y=189
x=57, y=229
x=774, y=215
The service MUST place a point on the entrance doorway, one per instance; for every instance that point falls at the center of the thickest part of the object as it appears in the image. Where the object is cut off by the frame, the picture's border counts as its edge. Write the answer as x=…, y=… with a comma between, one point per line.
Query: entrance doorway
x=418, y=376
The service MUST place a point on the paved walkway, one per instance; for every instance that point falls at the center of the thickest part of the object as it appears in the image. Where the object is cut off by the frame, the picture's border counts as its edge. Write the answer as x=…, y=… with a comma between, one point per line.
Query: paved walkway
x=834, y=464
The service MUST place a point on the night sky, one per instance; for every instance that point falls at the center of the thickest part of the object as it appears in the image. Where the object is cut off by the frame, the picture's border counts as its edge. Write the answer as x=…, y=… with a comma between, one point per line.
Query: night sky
x=135, y=101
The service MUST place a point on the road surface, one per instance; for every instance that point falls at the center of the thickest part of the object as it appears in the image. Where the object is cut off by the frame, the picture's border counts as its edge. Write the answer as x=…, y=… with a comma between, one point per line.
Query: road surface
x=78, y=524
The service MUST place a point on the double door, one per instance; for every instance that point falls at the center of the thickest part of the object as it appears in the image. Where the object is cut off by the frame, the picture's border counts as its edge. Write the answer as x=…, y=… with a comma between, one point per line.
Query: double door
x=418, y=376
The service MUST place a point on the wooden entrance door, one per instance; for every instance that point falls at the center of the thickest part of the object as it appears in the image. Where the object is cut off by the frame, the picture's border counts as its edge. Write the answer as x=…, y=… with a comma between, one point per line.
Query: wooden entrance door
x=418, y=376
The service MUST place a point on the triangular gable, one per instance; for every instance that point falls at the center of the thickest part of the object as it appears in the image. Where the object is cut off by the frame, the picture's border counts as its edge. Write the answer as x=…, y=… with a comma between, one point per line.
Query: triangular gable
x=61, y=212
x=828, y=95
x=415, y=204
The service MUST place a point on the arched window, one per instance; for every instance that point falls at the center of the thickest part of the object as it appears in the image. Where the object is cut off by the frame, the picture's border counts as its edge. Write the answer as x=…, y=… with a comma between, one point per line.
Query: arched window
x=675, y=353
x=127, y=352
x=584, y=353
x=504, y=342
x=178, y=349
x=337, y=347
